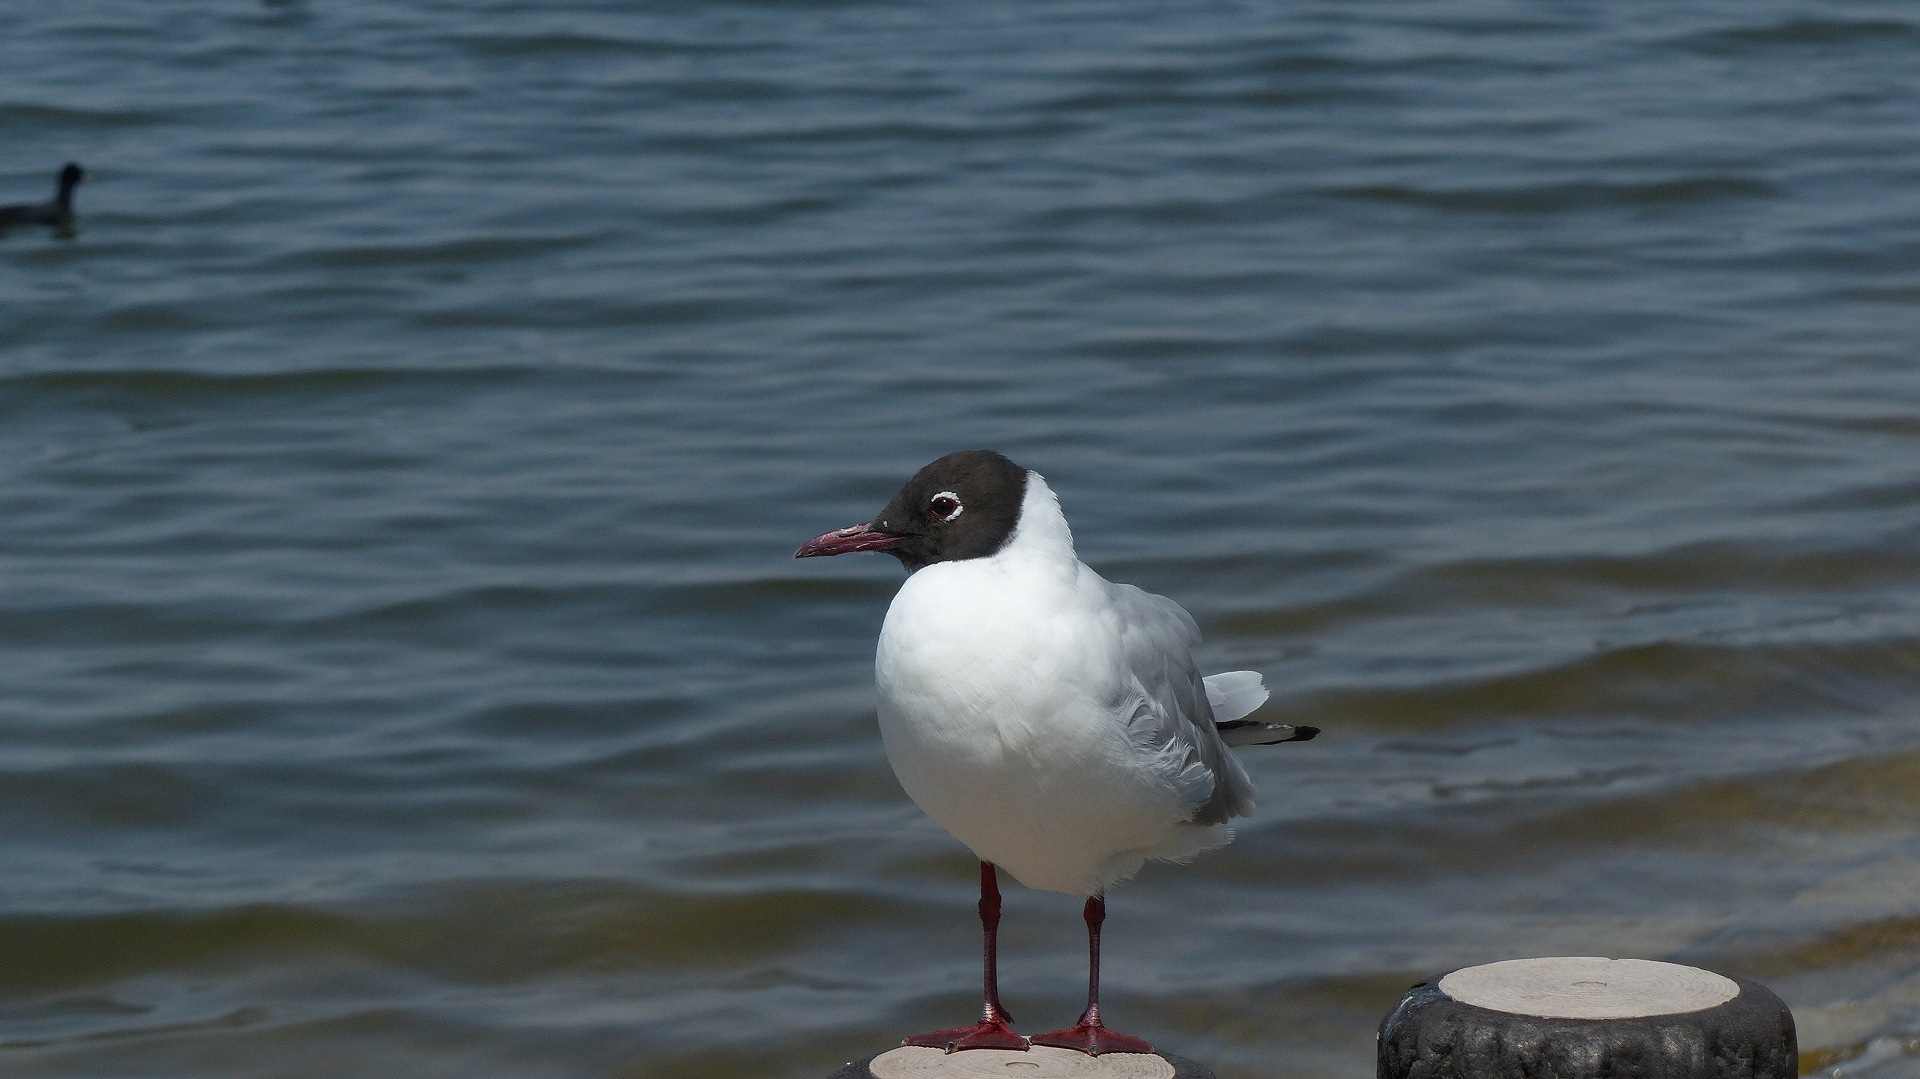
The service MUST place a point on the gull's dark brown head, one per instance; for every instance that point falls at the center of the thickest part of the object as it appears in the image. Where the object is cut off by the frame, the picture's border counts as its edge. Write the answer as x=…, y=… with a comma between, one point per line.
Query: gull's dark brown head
x=964, y=505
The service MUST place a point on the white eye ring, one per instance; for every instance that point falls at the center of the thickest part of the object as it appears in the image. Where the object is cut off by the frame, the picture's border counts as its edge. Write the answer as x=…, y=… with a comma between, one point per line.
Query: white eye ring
x=958, y=506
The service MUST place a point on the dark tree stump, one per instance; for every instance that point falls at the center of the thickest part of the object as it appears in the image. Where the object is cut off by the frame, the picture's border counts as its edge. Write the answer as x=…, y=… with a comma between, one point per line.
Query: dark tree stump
x=1588, y=1018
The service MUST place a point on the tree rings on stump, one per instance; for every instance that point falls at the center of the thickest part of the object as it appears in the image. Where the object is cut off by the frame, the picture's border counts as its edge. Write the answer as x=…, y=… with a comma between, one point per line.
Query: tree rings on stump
x=1038, y=1062
x=1588, y=1018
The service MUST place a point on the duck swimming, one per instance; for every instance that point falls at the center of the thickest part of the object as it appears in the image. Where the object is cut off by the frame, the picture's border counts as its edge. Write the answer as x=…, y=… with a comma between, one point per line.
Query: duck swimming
x=58, y=212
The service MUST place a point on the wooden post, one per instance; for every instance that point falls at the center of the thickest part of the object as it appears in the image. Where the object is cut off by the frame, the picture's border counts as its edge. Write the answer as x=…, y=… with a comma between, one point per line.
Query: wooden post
x=1037, y=1062
x=1588, y=1018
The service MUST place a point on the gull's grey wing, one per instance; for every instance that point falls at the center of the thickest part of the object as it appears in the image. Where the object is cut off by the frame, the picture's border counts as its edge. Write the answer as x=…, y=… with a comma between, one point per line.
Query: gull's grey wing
x=1169, y=715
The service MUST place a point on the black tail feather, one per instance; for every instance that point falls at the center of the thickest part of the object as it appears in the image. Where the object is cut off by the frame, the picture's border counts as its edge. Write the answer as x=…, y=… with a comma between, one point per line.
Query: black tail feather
x=1252, y=732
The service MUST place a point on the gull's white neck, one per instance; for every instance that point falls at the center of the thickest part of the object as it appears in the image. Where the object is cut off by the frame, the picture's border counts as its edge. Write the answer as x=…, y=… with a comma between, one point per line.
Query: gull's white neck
x=1042, y=536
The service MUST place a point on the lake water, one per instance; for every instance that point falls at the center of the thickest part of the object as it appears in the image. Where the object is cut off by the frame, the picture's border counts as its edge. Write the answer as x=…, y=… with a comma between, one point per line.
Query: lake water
x=405, y=669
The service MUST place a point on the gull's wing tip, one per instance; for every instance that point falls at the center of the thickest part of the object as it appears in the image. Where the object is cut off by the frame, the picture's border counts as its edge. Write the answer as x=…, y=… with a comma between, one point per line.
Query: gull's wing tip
x=1252, y=732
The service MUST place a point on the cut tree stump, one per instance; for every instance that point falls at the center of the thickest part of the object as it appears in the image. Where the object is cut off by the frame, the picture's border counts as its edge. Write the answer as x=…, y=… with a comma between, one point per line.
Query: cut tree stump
x=1038, y=1062
x=1583, y=1017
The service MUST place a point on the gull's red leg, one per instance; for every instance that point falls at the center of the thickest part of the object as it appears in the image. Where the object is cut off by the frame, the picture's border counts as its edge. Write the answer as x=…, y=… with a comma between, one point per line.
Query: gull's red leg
x=1088, y=1035
x=992, y=1031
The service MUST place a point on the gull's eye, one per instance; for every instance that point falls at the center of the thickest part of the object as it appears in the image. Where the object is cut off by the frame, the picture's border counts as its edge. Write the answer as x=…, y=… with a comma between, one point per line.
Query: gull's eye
x=944, y=506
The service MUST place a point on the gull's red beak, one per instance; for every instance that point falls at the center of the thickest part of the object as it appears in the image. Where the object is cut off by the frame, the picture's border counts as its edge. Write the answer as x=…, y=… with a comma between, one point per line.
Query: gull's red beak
x=860, y=537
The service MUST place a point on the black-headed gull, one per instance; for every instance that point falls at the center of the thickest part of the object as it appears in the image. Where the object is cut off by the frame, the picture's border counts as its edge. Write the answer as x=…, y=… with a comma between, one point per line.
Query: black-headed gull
x=1051, y=720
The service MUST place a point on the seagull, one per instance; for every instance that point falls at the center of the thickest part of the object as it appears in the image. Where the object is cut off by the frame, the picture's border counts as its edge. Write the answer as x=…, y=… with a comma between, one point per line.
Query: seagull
x=1052, y=720
x=58, y=212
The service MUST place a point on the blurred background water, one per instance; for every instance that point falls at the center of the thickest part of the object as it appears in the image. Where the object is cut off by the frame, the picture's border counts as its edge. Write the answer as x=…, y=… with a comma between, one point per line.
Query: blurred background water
x=406, y=674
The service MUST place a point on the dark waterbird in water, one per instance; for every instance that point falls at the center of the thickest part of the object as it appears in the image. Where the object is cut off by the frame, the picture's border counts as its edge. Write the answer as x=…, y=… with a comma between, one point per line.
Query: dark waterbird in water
x=57, y=212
